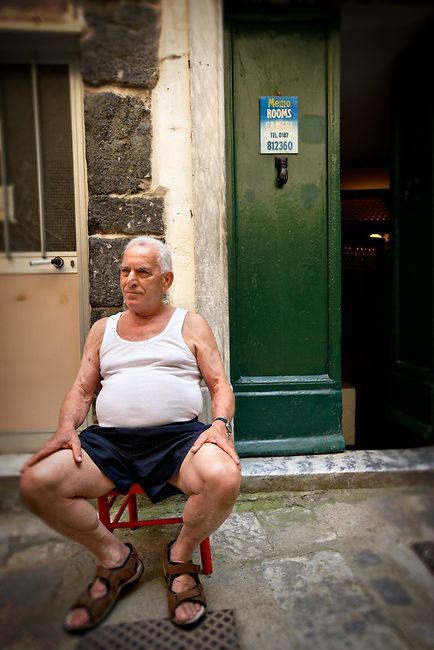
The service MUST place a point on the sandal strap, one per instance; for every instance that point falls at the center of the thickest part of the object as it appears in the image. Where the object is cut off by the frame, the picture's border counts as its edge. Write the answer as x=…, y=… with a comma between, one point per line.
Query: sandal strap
x=172, y=570
x=114, y=579
x=95, y=607
x=177, y=569
x=194, y=595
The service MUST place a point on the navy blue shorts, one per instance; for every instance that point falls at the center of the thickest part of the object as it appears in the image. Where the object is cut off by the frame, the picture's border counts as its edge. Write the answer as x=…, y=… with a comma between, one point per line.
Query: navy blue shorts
x=149, y=456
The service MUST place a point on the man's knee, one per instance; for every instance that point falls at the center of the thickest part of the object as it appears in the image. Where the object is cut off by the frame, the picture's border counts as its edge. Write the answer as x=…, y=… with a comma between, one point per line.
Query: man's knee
x=38, y=481
x=30, y=487
x=223, y=477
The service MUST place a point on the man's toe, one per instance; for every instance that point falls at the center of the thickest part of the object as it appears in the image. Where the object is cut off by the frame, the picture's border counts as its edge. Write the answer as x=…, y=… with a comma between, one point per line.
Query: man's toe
x=187, y=612
x=77, y=618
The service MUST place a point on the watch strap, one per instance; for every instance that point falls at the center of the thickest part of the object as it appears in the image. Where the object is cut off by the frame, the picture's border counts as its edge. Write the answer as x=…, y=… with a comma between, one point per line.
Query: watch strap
x=224, y=420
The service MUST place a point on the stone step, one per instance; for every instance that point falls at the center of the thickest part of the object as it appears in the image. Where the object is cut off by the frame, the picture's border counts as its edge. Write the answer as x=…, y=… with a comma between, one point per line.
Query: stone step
x=359, y=468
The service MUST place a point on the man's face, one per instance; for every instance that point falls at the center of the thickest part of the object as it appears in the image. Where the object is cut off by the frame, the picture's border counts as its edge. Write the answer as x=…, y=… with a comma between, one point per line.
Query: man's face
x=142, y=283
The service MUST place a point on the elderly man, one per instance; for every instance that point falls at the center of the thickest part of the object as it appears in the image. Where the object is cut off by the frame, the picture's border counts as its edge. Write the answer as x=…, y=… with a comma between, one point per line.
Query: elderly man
x=149, y=360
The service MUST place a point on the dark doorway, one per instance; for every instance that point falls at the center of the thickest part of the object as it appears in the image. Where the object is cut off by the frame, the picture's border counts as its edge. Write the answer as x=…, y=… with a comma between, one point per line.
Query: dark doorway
x=373, y=39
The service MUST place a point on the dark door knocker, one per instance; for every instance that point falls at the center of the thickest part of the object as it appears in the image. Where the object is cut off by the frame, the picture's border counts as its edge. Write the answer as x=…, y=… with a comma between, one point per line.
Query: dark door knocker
x=281, y=165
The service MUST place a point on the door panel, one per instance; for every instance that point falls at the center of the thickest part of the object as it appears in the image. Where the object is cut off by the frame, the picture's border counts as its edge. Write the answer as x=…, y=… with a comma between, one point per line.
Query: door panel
x=40, y=333
x=285, y=225
x=411, y=391
x=284, y=275
x=39, y=348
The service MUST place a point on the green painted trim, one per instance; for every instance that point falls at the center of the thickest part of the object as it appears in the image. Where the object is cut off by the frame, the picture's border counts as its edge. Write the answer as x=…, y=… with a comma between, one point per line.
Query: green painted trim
x=334, y=202
x=411, y=401
x=413, y=424
x=291, y=382
x=290, y=417
x=322, y=444
x=286, y=379
x=230, y=183
x=411, y=370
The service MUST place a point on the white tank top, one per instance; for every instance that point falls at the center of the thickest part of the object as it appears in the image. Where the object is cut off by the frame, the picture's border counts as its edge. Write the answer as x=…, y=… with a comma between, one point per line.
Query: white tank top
x=148, y=383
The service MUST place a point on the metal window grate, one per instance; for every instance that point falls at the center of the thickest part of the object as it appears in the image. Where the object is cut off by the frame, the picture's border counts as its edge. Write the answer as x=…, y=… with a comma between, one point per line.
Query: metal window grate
x=37, y=198
x=216, y=632
x=425, y=552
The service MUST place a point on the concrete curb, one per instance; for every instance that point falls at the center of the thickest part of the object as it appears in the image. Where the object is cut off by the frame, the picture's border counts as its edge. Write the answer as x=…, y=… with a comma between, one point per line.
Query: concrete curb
x=361, y=468
x=10, y=465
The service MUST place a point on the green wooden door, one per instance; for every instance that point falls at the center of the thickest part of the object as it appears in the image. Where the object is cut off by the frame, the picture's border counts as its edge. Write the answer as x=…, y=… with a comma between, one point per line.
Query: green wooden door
x=284, y=241
x=411, y=390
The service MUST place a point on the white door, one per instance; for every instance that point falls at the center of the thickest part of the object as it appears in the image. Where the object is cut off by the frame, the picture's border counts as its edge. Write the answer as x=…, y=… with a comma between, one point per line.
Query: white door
x=41, y=323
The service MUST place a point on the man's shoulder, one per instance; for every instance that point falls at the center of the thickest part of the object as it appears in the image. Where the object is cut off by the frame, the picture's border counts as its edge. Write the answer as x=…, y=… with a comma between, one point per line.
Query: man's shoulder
x=194, y=319
x=196, y=327
x=98, y=328
x=193, y=315
x=101, y=322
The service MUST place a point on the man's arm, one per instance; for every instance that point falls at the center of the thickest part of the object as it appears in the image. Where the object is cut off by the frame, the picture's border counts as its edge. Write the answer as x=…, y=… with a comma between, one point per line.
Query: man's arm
x=201, y=341
x=77, y=401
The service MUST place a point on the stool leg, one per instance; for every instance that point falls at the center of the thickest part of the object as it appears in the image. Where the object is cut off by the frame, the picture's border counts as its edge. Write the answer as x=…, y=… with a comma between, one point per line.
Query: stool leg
x=205, y=556
x=104, y=511
x=132, y=510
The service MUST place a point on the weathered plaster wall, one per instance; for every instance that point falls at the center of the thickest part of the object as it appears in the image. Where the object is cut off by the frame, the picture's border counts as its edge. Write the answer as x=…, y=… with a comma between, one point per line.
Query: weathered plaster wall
x=208, y=165
x=171, y=162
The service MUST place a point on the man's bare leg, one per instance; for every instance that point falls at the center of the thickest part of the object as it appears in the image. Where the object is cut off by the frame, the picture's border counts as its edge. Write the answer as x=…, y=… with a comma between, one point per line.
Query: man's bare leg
x=211, y=479
x=56, y=489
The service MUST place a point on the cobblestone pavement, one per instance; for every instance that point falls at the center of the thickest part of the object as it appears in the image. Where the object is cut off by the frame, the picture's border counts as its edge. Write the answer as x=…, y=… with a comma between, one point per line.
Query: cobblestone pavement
x=327, y=569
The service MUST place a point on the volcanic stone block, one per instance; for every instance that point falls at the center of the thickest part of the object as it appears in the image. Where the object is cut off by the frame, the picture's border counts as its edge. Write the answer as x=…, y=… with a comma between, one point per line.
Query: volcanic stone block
x=101, y=312
x=105, y=257
x=122, y=44
x=137, y=216
x=118, y=143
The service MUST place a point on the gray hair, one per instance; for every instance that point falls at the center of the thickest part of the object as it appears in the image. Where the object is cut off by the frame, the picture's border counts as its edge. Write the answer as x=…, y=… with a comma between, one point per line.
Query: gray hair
x=164, y=256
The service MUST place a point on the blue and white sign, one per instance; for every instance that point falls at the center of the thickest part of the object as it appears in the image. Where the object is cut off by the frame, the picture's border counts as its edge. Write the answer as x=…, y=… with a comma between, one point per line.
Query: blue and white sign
x=278, y=118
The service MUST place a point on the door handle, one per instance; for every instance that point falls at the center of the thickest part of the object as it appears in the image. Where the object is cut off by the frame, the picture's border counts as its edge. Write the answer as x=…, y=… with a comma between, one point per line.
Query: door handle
x=281, y=165
x=55, y=261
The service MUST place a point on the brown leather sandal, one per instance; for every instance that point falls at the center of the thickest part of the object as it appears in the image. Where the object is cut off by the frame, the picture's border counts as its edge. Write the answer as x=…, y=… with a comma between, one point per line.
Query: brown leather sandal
x=194, y=595
x=115, y=580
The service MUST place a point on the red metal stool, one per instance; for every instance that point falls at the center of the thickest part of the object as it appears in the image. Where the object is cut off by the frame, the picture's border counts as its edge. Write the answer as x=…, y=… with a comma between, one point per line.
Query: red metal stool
x=129, y=501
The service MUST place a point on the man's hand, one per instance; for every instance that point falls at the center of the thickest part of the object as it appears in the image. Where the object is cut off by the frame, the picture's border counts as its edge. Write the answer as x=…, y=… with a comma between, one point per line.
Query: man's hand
x=64, y=440
x=217, y=434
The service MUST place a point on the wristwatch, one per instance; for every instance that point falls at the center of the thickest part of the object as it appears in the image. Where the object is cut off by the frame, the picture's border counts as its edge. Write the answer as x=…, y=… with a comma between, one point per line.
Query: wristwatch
x=226, y=423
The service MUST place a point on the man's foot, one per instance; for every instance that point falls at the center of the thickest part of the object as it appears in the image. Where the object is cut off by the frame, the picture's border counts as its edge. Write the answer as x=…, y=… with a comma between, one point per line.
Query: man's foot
x=185, y=593
x=188, y=611
x=96, y=602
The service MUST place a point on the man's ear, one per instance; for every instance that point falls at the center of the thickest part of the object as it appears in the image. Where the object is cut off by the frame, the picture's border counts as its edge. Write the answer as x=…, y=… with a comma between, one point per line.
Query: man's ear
x=168, y=279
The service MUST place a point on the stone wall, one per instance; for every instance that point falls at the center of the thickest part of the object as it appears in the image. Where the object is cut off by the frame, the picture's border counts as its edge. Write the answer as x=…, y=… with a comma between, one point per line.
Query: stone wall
x=120, y=68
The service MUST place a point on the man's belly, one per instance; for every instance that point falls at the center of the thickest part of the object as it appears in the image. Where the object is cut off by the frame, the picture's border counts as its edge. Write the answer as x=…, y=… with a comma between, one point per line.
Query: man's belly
x=147, y=401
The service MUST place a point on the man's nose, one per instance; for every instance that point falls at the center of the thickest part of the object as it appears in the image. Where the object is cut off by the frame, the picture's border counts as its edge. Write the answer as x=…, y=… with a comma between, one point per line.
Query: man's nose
x=131, y=276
